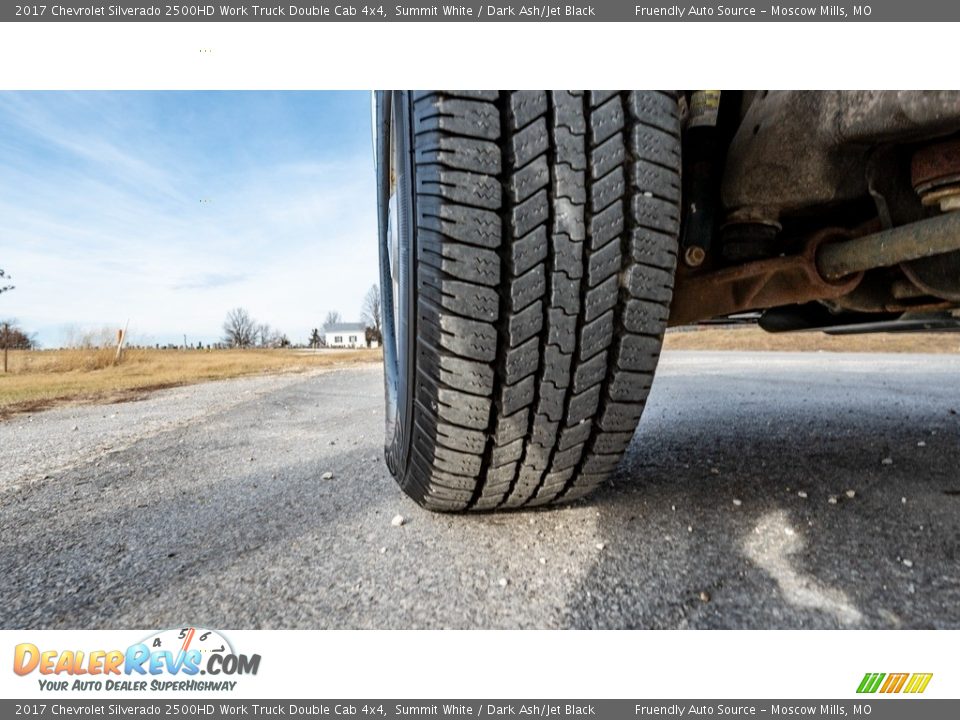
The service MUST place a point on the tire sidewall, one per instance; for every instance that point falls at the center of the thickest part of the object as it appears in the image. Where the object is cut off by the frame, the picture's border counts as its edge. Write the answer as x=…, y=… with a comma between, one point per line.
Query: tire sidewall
x=395, y=140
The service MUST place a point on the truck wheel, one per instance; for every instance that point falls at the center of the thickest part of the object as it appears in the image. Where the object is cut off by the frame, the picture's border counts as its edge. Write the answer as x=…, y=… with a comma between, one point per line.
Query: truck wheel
x=528, y=243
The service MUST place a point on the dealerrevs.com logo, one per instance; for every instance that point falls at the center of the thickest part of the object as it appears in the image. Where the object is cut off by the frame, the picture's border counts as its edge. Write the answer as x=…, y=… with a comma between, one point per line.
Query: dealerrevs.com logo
x=168, y=660
x=910, y=683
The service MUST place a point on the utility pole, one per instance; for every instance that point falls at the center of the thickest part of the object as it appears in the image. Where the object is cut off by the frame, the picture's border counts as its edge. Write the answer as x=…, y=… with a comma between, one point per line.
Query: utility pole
x=6, y=342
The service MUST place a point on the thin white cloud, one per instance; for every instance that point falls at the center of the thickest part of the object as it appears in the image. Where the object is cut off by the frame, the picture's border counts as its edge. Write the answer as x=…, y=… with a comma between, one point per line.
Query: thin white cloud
x=36, y=120
x=207, y=281
x=123, y=234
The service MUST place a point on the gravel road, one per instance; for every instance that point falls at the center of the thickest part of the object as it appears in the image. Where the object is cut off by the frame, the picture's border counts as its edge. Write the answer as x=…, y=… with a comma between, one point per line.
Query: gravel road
x=761, y=490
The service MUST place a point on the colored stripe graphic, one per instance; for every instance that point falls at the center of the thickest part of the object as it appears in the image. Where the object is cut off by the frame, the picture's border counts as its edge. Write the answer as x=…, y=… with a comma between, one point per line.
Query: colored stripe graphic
x=894, y=683
x=918, y=682
x=870, y=682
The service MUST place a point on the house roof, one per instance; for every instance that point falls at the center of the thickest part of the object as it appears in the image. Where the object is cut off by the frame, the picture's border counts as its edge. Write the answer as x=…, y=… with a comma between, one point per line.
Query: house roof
x=346, y=328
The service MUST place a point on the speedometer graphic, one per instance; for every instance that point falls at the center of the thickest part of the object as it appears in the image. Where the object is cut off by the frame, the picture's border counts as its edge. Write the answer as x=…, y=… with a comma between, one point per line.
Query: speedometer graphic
x=181, y=640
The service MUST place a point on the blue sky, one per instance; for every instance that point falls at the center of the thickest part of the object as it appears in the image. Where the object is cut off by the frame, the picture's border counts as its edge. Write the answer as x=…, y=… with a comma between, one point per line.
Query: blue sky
x=171, y=208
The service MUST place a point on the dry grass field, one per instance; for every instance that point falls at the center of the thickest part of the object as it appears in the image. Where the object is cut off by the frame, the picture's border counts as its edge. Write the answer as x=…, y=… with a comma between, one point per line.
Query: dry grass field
x=41, y=378
x=754, y=339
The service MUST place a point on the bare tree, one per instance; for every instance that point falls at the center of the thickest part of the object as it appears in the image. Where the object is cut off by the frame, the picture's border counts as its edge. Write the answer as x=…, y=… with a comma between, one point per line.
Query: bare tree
x=239, y=329
x=370, y=313
x=315, y=339
x=264, y=335
x=4, y=288
x=333, y=317
x=86, y=338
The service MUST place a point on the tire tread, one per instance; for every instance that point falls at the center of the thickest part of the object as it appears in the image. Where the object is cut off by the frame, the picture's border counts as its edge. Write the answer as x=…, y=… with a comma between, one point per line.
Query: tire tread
x=547, y=238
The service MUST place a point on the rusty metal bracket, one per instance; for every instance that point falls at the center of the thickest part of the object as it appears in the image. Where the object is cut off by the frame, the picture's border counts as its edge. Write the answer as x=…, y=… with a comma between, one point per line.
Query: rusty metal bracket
x=762, y=284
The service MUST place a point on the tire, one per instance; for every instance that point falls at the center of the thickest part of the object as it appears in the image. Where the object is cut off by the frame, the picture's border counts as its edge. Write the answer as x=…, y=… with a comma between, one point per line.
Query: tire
x=537, y=234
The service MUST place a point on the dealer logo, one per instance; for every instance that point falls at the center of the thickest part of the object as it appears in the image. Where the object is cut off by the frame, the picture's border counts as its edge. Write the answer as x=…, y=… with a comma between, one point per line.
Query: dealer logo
x=183, y=653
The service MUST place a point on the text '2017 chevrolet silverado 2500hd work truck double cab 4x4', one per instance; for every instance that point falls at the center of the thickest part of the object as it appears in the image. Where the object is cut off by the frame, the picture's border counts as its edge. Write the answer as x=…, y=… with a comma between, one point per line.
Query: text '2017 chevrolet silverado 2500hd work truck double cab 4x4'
x=535, y=245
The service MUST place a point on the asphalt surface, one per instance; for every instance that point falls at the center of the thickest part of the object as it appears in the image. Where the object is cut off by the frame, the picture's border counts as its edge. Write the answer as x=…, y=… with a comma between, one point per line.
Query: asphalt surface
x=207, y=505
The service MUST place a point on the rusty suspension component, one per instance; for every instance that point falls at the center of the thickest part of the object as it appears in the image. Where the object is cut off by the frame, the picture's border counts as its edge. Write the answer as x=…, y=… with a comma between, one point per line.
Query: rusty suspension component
x=935, y=172
x=933, y=236
x=831, y=265
x=761, y=284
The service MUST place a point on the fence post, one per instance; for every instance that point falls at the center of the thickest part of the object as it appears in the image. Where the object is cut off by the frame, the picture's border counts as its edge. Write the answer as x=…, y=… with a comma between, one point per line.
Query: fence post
x=121, y=339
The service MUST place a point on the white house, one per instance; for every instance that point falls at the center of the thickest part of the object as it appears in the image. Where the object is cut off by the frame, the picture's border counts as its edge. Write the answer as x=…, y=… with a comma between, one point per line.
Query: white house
x=346, y=335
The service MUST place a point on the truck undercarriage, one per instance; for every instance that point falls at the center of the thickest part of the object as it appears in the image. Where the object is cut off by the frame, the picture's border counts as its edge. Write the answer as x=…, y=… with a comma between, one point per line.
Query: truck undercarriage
x=833, y=210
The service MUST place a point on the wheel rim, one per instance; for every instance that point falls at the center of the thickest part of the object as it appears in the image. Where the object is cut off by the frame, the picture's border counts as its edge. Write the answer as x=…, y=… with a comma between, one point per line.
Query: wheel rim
x=393, y=236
